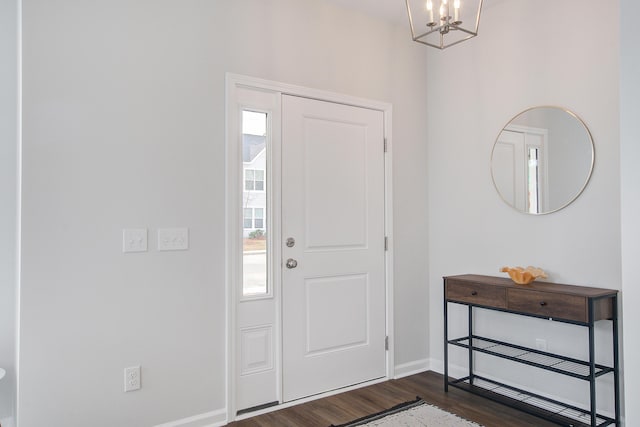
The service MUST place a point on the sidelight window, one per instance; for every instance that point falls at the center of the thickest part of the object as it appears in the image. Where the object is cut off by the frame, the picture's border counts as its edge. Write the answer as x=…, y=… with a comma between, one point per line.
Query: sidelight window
x=255, y=197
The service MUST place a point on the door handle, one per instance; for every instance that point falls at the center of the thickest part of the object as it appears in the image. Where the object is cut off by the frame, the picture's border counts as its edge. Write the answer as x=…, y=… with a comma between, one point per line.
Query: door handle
x=291, y=263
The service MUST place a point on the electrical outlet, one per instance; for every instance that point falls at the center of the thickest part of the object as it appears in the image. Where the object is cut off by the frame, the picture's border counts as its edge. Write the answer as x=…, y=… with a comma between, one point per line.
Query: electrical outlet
x=132, y=378
x=173, y=239
x=541, y=344
x=134, y=240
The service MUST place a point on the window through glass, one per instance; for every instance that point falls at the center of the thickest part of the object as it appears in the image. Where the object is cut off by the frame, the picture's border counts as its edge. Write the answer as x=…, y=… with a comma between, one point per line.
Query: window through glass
x=248, y=179
x=248, y=218
x=254, y=203
x=258, y=218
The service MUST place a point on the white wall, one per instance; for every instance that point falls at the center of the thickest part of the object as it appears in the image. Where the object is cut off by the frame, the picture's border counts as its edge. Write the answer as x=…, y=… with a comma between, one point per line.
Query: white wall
x=124, y=127
x=8, y=200
x=629, y=153
x=524, y=56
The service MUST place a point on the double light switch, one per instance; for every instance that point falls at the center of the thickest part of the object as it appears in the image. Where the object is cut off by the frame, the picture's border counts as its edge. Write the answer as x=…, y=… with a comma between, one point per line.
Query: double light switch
x=169, y=239
x=173, y=239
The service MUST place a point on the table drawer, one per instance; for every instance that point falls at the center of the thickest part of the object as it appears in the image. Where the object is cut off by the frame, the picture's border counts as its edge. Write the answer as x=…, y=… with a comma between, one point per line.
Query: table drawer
x=548, y=304
x=476, y=293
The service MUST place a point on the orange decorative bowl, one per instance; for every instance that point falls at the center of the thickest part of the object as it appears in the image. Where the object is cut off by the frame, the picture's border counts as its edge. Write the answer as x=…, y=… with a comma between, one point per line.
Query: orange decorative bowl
x=524, y=276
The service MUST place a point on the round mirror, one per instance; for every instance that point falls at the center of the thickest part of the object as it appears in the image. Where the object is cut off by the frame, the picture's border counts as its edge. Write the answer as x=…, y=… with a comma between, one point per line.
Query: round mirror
x=542, y=160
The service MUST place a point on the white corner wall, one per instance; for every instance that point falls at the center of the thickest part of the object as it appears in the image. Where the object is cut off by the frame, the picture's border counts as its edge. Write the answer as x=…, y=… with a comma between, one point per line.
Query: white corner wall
x=123, y=126
x=524, y=56
x=8, y=204
x=630, y=182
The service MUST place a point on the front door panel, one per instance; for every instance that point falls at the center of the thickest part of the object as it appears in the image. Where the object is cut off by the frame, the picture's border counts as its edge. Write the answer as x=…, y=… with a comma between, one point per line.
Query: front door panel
x=334, y=283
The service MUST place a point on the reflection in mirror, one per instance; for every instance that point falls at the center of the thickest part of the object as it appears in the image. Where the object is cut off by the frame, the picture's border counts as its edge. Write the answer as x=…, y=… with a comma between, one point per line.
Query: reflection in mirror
x=542, y=160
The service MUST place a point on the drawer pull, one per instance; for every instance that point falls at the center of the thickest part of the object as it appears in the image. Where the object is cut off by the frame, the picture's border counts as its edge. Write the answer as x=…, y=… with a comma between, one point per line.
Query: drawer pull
x=542, y=303
x=474, y=293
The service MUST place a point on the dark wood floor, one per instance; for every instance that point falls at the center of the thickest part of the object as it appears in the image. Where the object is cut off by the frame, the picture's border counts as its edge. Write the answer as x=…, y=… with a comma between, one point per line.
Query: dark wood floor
x=351, y=405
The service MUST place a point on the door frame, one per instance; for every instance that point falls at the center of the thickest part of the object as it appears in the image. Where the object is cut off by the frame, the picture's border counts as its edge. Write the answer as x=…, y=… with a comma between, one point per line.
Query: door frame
x=233, y=261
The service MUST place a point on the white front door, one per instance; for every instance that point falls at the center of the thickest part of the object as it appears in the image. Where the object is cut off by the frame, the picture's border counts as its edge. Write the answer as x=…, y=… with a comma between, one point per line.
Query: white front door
x=333, y=284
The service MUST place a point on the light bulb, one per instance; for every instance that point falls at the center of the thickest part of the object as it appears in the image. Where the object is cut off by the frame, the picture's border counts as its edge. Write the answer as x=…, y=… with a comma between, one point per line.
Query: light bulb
x=430, y=9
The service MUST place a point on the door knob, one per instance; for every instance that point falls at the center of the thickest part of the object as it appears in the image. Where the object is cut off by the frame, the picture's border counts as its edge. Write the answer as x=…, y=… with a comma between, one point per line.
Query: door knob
x=291, y=263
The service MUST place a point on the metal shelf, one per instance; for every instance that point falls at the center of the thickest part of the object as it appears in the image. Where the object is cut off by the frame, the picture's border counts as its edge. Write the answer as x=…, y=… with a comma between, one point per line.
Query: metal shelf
x=558, y=412
x=551, y=362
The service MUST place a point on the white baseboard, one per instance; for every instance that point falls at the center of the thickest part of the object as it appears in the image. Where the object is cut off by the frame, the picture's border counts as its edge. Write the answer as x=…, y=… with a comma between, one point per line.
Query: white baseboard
x=422, y=365
x=411, y=368
x=437, y=365
x=210, y=419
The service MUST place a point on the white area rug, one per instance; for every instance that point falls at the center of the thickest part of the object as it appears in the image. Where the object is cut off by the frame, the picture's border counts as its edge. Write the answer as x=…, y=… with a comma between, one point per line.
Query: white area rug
x=418, y=414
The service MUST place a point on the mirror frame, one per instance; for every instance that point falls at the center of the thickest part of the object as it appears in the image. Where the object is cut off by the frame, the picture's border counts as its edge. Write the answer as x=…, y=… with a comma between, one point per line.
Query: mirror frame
x=591, y=165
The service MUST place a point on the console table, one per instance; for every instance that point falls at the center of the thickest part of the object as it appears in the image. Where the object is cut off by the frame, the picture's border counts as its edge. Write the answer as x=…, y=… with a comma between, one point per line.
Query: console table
x=578, y=305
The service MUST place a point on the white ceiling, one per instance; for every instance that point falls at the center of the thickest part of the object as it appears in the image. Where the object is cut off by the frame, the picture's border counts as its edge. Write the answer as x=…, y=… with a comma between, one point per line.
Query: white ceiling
x=389, y=10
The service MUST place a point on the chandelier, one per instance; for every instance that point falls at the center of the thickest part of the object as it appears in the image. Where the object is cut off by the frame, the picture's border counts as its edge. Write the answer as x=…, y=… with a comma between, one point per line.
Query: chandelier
x=443, y=23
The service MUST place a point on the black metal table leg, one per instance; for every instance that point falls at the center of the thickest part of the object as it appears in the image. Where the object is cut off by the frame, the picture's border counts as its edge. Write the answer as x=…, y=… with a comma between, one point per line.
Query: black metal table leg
x=616, y=363
x=592, y=366
x=446, y=345
x=470, y=344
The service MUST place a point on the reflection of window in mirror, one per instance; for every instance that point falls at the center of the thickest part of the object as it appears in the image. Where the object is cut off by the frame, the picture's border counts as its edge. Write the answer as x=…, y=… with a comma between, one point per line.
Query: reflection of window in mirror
x=519, y=167
x=532, y=181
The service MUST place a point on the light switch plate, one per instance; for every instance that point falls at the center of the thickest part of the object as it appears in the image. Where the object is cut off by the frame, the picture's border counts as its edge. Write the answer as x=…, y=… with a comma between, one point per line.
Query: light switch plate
x=134, y=240
x=173, y=239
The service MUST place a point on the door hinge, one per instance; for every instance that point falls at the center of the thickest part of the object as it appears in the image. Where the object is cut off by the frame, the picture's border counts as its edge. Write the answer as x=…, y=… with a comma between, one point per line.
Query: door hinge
x=386, y=342
x=385, y=145
x=386, y=243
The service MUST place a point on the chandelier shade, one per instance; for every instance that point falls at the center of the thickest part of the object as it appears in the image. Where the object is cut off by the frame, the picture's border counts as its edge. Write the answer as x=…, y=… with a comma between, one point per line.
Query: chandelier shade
x=443, y=23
